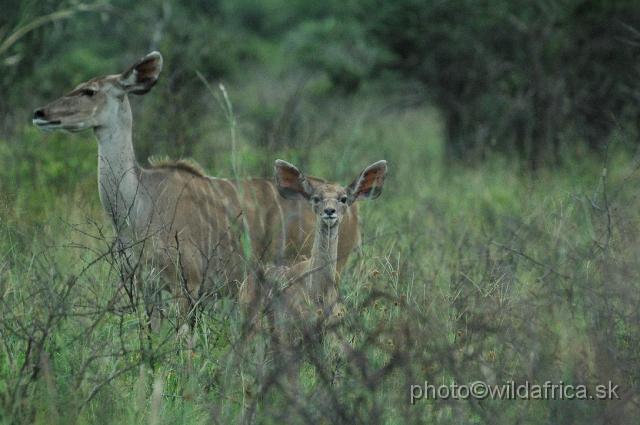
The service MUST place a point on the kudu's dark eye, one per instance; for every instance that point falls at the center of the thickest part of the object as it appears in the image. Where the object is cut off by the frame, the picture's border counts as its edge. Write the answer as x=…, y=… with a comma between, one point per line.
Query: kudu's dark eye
x=343, y=199
x=89, y=92
x=316, y=199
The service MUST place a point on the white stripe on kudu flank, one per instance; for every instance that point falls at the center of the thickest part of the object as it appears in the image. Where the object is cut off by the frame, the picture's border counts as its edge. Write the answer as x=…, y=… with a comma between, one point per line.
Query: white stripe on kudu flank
x=276, y=199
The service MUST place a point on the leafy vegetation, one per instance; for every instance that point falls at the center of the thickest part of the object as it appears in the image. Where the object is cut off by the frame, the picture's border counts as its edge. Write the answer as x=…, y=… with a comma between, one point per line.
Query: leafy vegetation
x=520, y=77
x=490, y=272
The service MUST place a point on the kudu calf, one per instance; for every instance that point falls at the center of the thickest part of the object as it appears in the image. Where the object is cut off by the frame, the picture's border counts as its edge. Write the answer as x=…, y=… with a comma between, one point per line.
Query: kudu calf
x=173, y=221
x=300, y=300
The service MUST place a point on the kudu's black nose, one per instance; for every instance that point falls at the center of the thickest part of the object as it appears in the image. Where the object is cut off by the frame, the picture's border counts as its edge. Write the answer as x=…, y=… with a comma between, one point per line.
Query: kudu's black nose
x=329, y=211
x=38, y=113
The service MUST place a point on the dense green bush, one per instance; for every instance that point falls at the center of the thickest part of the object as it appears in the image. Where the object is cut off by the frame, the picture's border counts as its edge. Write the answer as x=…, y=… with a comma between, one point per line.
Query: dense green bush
x=517, y=77
x=339, y=48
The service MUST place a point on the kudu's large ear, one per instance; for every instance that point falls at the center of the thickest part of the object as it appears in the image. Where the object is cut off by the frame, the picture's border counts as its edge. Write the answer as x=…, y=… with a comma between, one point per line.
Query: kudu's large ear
x=142, y=75
x=291, y=182
x=369, y=184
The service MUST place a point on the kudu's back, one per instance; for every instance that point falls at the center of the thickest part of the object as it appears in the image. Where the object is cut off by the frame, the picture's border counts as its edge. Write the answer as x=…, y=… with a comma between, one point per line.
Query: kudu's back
x=212, y=229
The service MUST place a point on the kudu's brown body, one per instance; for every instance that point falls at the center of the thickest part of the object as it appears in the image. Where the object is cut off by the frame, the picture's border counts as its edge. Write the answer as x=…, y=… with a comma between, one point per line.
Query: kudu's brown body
x=173, y=221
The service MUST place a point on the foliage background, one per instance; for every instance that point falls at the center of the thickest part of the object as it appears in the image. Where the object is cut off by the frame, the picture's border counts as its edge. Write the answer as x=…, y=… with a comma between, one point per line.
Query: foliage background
x=503, y=248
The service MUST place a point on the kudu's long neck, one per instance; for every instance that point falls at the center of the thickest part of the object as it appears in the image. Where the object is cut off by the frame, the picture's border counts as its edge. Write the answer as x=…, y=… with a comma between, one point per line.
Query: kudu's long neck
x=117, y=167
x=324, y=256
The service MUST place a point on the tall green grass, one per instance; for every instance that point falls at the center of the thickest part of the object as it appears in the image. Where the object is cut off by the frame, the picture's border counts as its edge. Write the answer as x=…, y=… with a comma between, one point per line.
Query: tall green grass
x=485, y=274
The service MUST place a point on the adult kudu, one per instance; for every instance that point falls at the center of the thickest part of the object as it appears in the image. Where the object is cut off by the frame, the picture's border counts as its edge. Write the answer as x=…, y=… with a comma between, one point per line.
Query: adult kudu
x=172, y=220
